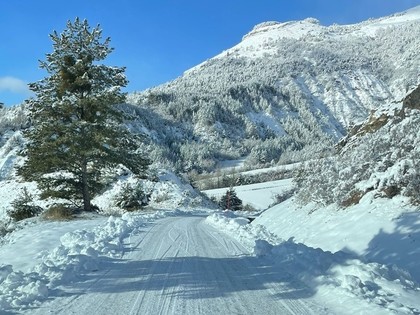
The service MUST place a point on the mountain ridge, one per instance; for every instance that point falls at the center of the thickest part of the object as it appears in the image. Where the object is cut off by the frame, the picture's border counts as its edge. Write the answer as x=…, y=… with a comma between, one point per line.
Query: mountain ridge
x=311, y=27
x=270, y=98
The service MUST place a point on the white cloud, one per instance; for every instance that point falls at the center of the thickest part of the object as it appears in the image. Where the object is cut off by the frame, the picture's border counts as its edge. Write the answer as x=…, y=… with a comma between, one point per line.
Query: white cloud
x=14, y=85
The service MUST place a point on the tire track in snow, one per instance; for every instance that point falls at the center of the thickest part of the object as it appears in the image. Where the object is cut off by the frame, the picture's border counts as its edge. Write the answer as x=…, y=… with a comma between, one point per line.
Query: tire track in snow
x=178, y=265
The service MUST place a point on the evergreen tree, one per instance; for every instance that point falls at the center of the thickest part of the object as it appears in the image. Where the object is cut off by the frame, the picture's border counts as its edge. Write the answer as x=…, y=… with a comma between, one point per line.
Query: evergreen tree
x=77, y=130
x=230, y=200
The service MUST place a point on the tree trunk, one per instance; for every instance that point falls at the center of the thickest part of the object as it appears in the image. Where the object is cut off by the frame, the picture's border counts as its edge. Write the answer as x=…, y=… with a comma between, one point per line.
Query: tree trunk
x=85, y=188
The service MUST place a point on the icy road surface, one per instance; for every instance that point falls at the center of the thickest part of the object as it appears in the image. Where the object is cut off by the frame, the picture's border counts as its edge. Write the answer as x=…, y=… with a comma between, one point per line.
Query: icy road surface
x=181, y=265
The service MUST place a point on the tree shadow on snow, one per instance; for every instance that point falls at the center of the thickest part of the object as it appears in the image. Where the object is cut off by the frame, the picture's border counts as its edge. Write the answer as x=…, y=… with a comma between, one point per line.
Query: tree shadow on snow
x=200, y=277
x=401, y=247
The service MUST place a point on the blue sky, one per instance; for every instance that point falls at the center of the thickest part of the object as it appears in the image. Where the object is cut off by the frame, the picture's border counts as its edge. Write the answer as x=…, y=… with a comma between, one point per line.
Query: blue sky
x=157, y=40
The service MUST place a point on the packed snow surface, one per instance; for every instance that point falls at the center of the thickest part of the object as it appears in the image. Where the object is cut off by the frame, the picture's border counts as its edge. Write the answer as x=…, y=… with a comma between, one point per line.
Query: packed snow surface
x=177, y=265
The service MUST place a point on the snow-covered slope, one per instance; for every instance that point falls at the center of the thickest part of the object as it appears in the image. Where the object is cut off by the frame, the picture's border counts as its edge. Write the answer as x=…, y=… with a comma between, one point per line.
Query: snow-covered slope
x=165, y=190
x=288, y=86
x=411, y=15
x=355, y=221
x=379, y=230
x=380, y=155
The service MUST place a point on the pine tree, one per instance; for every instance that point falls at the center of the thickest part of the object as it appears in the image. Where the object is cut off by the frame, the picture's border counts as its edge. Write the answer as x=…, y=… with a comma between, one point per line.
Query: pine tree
x=77, y=130
x=230, y=200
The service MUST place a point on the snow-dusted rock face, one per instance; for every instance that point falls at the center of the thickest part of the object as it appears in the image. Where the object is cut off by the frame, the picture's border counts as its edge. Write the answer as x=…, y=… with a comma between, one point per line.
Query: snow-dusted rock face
x=288, y=86
x=412, y=101
x=379, y=156
x=392, y=114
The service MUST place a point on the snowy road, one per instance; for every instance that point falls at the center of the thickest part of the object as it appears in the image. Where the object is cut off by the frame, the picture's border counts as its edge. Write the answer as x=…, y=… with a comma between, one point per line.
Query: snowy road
x=181, y=265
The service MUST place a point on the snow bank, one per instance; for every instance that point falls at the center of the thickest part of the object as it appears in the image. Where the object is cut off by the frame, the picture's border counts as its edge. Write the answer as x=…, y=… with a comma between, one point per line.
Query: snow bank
x=18, y=289
x=79, y=252
x=240, y=228
x=339, y=278
x=385, y=231
x=342, y=275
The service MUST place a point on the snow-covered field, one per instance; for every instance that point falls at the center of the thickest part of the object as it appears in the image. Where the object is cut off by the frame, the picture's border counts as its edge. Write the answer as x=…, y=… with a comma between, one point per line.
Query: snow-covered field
x=369, y=251
x=379, y=230
x=260, y=196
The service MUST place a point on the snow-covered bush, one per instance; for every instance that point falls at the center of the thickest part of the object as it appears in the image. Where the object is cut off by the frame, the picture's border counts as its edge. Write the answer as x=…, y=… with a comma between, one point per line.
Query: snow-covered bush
x=15, y=141
x=13, y=119
x=231, y=201
x=4, y=229
x=23, y=206
x=132, y=197
x=314, y=181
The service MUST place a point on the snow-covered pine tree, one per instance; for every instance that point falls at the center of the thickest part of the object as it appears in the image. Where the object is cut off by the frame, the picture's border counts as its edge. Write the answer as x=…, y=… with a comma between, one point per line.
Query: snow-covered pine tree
x=230, y=200
x=76, y=131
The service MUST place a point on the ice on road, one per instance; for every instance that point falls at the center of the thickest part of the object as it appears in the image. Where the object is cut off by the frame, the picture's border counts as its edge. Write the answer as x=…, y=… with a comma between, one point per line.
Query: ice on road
x=181, y=265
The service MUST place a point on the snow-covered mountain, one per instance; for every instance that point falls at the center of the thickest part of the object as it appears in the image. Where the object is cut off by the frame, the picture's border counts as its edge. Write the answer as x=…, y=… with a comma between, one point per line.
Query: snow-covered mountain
x=285, y=87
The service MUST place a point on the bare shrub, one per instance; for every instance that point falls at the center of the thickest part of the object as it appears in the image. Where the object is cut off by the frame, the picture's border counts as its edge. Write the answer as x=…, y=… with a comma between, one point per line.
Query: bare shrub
x=59, y=212
x=283, y=196
x=353, y=199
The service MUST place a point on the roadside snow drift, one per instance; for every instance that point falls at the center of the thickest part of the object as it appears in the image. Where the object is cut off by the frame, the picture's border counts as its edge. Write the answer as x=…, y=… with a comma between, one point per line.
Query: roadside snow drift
x=79, y=252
